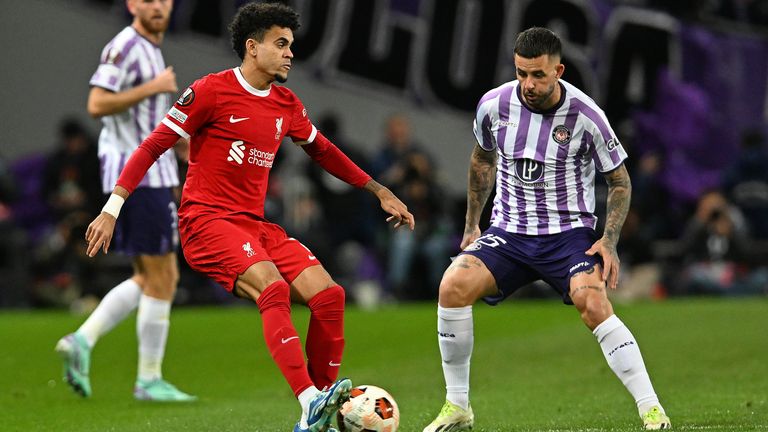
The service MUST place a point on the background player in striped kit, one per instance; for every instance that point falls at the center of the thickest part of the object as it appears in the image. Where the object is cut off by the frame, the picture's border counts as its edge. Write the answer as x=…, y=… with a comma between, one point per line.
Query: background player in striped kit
x=131, y=91
x=543, y=139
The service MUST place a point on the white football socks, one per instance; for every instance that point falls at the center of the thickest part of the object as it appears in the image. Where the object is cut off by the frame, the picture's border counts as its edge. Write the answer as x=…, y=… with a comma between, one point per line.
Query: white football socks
x=456, y=339
x=623, y=355
x=152, y=322
x=113, y=308
x=305, y=398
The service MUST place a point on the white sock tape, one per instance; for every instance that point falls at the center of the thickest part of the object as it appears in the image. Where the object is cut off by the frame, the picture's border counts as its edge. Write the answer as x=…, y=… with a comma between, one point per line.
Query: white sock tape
x=113, y=205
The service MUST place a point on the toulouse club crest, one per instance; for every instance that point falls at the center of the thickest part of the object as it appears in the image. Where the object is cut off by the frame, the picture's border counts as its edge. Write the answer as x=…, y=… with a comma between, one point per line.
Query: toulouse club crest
x=561, y=134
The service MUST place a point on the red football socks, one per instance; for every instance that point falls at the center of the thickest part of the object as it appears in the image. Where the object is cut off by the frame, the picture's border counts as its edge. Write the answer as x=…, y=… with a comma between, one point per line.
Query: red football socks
x=325, y=338
x=281, y=337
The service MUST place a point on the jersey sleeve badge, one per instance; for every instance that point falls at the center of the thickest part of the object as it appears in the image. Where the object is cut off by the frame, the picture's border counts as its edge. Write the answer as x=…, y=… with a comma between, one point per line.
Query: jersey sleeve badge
x=187, y=97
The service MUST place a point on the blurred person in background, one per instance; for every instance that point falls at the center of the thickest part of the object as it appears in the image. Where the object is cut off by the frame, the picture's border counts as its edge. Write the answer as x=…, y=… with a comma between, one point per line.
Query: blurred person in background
x=347, y=213
x=390, y=163
x=410, y=171
x=71, y=196
x=716, y=251
x=131, y=91
x=429, y=243
x=13, y=264
x=70, y=171
x=236, y=120
x=540, y=139
x=745, y=182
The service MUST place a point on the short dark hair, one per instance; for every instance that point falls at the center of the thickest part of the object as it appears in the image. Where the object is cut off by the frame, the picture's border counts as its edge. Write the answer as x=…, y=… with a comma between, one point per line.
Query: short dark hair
x=253, y=20
x=537, y=41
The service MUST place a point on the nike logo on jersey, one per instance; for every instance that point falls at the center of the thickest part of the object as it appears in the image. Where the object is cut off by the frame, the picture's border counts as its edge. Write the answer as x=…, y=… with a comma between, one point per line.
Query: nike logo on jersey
x=285, y=340
x=232, y=119
x=331, y=363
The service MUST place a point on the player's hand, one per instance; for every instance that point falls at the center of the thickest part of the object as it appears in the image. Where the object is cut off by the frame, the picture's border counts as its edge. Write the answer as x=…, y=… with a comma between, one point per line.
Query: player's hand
x=99, y=233
x=165, y=81
x=611, y=262
x=399, y=211
x=470, y=235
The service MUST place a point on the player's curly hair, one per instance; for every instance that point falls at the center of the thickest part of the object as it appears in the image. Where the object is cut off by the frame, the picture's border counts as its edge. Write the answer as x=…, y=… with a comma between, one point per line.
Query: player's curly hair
x=537, y=41
x=253, y=20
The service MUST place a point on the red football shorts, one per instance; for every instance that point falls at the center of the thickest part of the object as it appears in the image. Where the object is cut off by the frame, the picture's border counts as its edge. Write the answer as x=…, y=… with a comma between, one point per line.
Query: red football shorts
x=224, y=248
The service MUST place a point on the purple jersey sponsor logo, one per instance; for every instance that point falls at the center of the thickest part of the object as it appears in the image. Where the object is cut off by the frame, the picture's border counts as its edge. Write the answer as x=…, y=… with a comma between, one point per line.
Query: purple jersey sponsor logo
x=528, y=170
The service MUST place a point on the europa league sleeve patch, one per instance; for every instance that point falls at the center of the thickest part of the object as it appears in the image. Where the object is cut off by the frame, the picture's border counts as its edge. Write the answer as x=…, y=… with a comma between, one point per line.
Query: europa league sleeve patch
x=187, y=97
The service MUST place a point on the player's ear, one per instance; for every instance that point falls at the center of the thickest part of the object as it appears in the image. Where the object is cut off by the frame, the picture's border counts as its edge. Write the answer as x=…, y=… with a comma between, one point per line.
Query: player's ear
x=559, y=69
x=250, y=46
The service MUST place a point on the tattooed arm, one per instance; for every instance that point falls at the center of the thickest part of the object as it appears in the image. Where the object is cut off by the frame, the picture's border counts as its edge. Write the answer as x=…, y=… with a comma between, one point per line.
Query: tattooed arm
x=482, y=175
x=619, y=195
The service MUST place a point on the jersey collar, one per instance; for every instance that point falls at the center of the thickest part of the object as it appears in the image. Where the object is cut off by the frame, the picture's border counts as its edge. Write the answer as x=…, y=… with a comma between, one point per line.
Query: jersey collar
x=249, y=88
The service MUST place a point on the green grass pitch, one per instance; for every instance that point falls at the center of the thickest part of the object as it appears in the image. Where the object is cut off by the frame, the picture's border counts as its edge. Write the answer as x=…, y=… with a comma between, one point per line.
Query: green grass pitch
x=535, y=368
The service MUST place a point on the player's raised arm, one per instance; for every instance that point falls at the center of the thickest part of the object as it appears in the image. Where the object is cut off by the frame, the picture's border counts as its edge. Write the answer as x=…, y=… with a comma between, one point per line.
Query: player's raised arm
x=100, y=231
x=333, y=160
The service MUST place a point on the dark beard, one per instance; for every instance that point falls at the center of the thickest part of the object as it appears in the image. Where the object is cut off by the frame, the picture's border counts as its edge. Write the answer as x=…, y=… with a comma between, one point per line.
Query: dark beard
x=281, y=78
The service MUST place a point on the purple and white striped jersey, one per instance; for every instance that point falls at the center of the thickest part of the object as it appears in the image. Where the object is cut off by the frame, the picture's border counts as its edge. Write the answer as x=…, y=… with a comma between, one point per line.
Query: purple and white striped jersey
x=545, y=181
x=127, y=61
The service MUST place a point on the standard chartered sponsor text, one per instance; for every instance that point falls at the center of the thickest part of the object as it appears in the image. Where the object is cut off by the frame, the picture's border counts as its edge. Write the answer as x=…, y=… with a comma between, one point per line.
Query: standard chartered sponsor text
x=260, y=158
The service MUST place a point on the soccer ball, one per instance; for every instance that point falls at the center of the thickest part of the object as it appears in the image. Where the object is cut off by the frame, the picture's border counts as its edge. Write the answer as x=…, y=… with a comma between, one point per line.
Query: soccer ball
x=369, y=409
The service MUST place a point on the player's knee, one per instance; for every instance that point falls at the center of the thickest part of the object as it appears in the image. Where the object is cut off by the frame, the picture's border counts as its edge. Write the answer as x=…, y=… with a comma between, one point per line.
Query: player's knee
x=332, y=297
x=455, y=292
x=160, y=283
x=336, y=295
x=167, y=277
x=595, y=310
x=275, y=296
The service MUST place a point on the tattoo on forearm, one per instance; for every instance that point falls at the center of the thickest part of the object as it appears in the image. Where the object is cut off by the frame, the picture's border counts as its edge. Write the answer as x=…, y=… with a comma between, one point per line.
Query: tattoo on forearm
x=619, y=196
x=583, y=287
x=482, y=175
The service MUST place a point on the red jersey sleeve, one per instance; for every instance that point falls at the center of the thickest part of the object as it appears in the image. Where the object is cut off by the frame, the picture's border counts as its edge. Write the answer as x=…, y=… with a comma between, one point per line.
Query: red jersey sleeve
x=301, y=128
x=333, y=160
x=193, y=109
x=160, y=140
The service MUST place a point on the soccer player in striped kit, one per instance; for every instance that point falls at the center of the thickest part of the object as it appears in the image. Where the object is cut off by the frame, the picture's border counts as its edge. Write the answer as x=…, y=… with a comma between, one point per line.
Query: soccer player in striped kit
x=541, y=139
x=131, y=91
x=236, y=120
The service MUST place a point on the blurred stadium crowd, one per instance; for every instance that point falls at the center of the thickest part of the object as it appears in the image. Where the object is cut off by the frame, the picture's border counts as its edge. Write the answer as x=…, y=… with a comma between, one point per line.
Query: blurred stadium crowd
x=698, y=222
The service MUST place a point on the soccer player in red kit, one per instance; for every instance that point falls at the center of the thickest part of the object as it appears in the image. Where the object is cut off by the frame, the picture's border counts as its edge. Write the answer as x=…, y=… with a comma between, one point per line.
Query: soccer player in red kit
x=235, y=121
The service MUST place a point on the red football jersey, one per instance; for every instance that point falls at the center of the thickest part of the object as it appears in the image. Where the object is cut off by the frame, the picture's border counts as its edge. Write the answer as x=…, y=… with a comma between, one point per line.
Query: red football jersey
x=234, y=131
